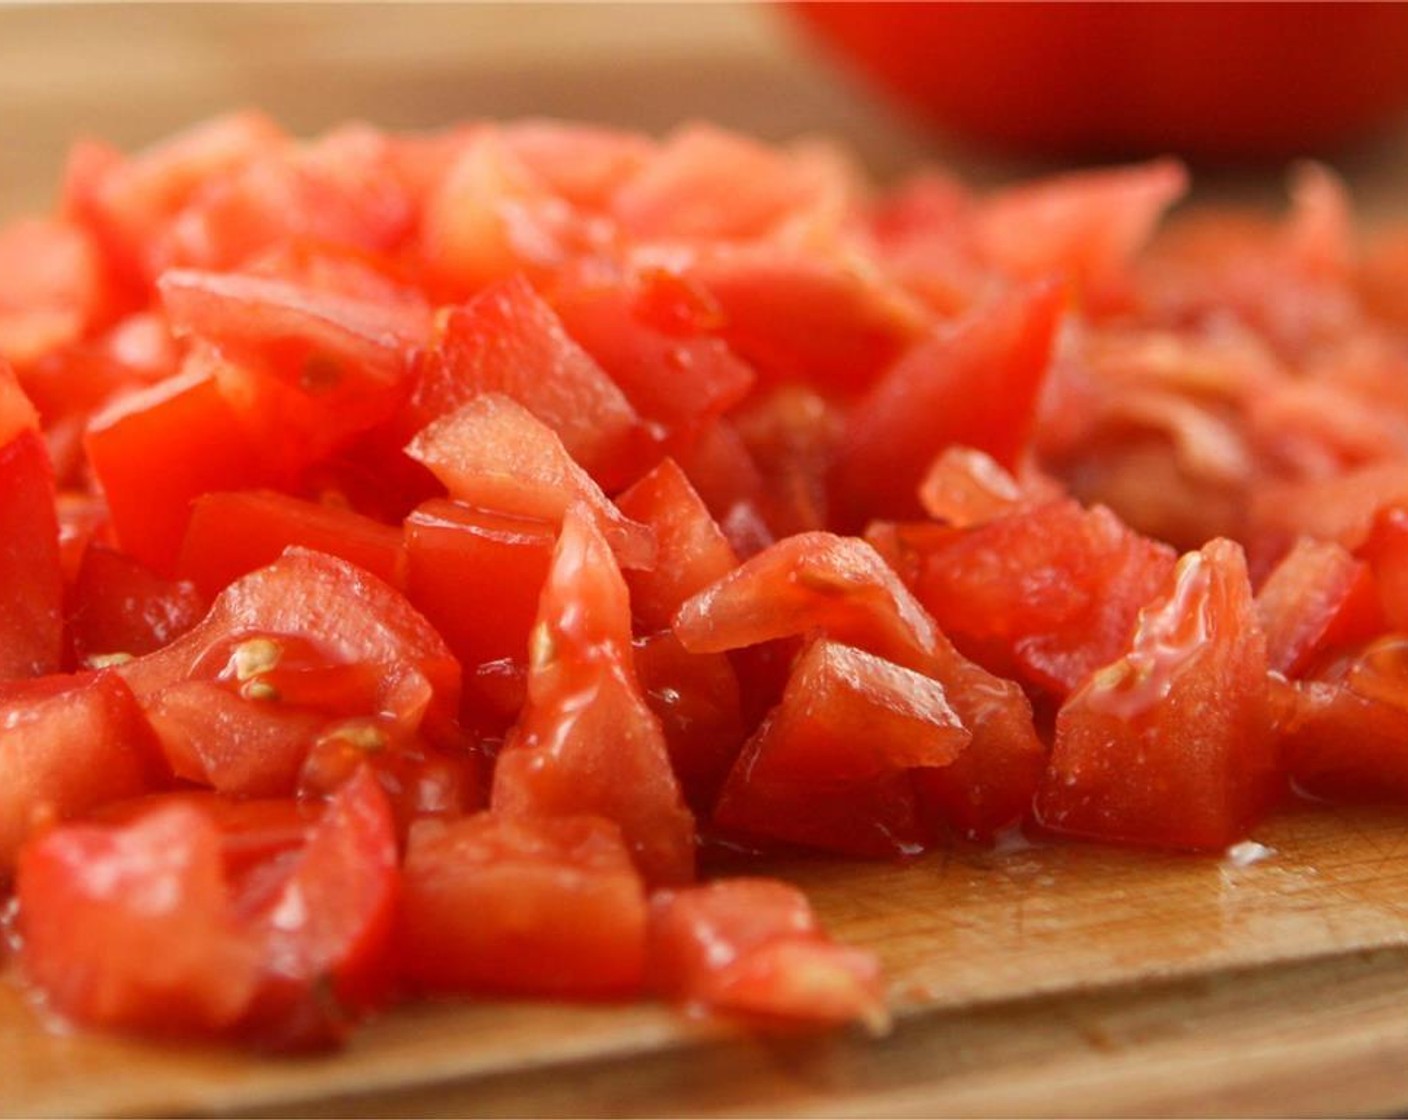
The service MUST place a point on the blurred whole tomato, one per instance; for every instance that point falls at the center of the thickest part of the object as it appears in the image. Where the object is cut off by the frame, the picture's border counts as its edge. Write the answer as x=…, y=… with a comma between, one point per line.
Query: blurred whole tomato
x=1219, y=80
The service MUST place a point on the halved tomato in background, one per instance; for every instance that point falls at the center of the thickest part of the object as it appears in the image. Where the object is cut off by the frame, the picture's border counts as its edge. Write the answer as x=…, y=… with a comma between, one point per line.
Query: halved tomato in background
x=1238, y=80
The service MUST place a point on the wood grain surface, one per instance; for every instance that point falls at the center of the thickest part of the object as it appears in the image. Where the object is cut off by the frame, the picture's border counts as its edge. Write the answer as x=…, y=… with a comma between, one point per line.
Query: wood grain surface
x=1063, y=980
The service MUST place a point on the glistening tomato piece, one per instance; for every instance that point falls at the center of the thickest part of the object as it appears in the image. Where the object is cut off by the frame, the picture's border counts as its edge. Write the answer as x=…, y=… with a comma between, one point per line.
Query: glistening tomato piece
x=1318, y=598
x=586, y=742
x=754, y=947
x=117, y=606
x=493, y=905
x=1170, y=745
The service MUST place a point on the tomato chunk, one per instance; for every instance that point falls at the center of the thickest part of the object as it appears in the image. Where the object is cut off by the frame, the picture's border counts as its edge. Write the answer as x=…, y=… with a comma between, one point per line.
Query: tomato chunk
x=549, y=907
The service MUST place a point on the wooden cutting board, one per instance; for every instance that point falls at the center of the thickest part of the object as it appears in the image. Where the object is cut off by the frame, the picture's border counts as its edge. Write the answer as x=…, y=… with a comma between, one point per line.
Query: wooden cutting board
x=1061, y=980
x=1066, y=980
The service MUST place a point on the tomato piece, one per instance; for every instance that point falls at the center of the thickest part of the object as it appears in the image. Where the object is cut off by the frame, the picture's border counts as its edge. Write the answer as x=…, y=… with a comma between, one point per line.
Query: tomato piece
x=549, y=907
x=1345, y=738
x=841, y=587
x=231, y=534
x=342, y=189
x=1170, y=745
x=31, y=573
x=477, y=577
x=155, y=451
x=133, y=201
x=1086, y=225
x=51, y=288
x=586, y=742
x=1386, y=552
x=656, y=333
x=67, y=745
x=314, y=338
x=966, y=487
x=132, y=927
x=325, y=936
x=974, y=383
x=117, y=606
x=691, y=553
x=494, y=454
x=580, y=163
x=753, y=947
x=1047, y=594
x=489, y=216
x=699, y=704
x=1318, y=598
x=508, y=340
x=829, y=767
x=793, y=435
x=802, y=317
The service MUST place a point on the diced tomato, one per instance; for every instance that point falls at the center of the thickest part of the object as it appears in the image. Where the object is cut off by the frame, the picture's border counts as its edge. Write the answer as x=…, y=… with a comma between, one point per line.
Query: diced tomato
x=477, y=576
x=494, y=454
x=974, y=383
x=656, y=333
x=1047, y=594
x=233, y=533
x=117, y=606
x=1316, y=599
x=691, y=553
x=696, y=697
x=156, y=451
x=508, y=340
x=31, y=575
x=1170, y=744
x=50, y=288
x=753, y=947
x=966, y=487
x=1346, y=733
x=67, y=745
x=324, y=936
x=830, y=766
x=133, y=927
x=549, y=907
x=586, y=742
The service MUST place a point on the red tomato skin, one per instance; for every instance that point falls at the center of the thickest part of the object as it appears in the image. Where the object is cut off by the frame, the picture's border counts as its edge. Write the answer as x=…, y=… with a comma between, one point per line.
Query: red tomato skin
x=509, y=340
x=31, y=575
x=753, y=947
x=233, y=533
x=499, y=906
x=1171, y=746
x=973, y=383
x=157, y=451
x=68, y=745
x=477, y=575
x=118, y=606
x=586, y=742
x=131, y=927
x=1238, y=80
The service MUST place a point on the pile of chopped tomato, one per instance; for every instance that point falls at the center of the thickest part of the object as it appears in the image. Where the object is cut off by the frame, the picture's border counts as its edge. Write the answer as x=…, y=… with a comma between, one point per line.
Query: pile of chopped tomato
x=418, y=554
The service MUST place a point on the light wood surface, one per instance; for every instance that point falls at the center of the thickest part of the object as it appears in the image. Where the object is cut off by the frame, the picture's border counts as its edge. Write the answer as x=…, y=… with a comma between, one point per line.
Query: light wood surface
x=1056, y=981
